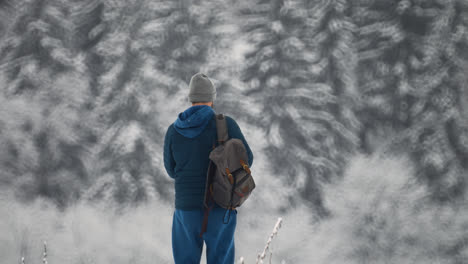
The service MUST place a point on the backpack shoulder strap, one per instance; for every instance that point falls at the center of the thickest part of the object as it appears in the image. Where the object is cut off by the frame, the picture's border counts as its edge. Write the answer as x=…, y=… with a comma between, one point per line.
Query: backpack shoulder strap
x=221, y=128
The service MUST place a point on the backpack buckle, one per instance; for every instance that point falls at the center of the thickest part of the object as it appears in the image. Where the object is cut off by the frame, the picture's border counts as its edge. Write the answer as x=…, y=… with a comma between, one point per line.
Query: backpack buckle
x=230, y=177
x=245, y=166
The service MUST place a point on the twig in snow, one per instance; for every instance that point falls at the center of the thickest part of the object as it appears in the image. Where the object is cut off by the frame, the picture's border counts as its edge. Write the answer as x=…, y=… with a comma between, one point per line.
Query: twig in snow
x=260, y=257
x=44, y=259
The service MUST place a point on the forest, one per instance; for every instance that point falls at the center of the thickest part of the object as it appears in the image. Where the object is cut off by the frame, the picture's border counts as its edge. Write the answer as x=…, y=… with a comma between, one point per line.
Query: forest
x=356, y=112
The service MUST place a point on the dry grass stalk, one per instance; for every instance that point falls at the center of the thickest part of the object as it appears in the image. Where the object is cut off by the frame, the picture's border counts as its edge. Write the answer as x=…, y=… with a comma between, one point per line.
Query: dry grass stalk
x=261, y=256
x=44, y=258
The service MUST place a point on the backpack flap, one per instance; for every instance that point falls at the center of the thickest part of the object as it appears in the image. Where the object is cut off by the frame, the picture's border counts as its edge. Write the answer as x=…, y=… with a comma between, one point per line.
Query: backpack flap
x=232, y=181
x=232, y=178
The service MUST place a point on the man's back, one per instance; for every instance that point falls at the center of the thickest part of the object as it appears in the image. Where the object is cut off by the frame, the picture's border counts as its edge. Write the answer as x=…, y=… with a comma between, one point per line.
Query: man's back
x=186, y=159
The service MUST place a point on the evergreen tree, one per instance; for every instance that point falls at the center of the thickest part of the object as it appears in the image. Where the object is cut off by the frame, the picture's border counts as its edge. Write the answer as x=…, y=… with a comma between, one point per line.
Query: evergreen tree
x=43, y=76
x=147, y=52
x=224, y=62
x=412, y=55
x=301, y=72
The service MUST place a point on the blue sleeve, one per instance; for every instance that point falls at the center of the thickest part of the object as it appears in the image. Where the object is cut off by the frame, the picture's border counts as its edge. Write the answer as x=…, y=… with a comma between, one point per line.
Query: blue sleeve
x=169, y=162
x=234, y=131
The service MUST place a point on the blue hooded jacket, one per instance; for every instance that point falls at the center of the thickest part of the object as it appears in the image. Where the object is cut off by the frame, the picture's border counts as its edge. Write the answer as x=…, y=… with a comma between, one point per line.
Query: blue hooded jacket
x=187, y=146
x=192, y=121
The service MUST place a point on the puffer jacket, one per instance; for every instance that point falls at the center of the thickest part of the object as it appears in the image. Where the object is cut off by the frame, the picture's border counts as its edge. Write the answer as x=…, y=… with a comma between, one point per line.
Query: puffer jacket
x=187, y=145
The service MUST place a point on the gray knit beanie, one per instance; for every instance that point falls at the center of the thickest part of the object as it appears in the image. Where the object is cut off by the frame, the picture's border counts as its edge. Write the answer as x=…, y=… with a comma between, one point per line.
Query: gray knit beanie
x=201, y=89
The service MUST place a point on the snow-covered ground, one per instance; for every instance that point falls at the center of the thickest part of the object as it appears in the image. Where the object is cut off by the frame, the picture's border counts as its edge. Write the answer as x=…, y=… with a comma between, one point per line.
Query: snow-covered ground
x=379, y=215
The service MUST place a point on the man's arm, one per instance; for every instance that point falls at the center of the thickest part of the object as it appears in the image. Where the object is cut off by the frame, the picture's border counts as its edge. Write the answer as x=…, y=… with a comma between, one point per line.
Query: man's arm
x=234, y=131
x=169, y=162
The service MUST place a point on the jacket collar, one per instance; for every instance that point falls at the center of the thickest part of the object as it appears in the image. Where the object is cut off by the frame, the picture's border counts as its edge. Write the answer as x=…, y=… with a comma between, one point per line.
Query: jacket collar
x=193, y=120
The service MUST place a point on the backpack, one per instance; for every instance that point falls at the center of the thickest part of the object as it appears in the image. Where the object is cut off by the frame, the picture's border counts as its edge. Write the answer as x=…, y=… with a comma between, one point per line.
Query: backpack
x=229, y=181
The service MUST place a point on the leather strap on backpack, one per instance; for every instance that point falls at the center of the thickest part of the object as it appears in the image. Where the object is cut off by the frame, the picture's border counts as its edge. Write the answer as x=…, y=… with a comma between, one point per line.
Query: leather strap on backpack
x=222, y=132
x=221, y=128
x=208, y=199
x=205, y=217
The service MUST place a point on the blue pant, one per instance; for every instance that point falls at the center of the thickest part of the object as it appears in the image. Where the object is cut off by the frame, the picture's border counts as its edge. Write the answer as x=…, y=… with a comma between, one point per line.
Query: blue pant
x=187, y=245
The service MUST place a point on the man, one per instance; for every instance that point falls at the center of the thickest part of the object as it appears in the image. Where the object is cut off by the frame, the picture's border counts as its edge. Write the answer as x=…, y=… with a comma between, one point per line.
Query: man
x=187, y=145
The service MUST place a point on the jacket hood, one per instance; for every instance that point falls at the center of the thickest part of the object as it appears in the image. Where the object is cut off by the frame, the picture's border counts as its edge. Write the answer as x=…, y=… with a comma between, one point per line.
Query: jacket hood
x=193, y=120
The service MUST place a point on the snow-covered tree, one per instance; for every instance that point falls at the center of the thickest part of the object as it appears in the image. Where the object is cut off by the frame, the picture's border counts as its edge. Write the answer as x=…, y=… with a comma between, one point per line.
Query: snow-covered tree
x=46, y=88
x=411, y=68
x=147, y=52
x=300, y=70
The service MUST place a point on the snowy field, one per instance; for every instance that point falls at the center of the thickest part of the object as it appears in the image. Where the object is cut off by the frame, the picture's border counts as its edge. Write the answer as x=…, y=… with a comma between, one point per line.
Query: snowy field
x=379, y=215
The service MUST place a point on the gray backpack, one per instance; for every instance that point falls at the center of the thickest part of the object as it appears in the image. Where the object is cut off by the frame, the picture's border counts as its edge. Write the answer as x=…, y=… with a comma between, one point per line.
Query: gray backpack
x=229, y=181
